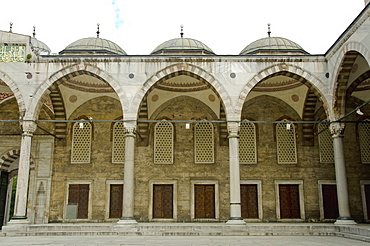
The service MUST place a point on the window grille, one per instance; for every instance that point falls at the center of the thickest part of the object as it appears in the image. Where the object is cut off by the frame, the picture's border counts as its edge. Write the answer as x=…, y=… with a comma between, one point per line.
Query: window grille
x=325, y=144
x=364, y=135
x=286, y=143
x=118, y=148
x=81, y=142
x=163, y=143
x=247, y=143
x=204, y=142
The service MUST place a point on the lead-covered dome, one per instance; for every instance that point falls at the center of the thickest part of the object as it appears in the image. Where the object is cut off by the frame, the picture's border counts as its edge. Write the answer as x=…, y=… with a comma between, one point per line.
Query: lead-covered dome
x=39, y=47
x=182, y=46
x=96, y=46
x=273, y=45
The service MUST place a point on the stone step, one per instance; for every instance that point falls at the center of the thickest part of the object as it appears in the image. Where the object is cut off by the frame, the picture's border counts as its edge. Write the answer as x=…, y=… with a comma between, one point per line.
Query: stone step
x=353, y=236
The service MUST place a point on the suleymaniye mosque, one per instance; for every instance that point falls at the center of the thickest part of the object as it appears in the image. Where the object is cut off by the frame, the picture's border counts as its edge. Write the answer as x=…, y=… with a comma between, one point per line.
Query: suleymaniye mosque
x=182, y=136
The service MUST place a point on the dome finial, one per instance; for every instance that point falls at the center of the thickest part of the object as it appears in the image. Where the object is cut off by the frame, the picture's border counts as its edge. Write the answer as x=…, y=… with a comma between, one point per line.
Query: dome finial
x=182, y=31
x=11, y=27
x=269, y=30
x=34, y=31
x=98, y=31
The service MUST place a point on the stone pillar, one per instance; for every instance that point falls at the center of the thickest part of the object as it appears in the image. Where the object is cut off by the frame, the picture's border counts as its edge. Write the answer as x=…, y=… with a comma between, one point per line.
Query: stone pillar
x=20, y=206
x=128, y=184
x=337, y=130
x=235, y=207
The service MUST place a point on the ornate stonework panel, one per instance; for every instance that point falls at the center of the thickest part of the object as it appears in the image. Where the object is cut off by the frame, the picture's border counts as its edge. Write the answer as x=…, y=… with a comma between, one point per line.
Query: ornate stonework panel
x=12, y=53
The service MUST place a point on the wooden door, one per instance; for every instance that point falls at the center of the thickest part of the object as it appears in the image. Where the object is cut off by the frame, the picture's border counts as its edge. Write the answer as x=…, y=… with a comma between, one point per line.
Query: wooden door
x=3, y=191
x=79, y=194
x=204, y=201
x=367, y=198
x=163, y=201
x=330, y=201
x=249, y=200
x=116, y=201
x=289, y=202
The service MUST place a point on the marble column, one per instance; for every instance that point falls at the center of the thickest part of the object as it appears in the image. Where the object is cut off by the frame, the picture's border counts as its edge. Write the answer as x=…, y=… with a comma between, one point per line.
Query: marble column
x=235, y=206
x=20, y=206
x=128, y=184
x=337, y=130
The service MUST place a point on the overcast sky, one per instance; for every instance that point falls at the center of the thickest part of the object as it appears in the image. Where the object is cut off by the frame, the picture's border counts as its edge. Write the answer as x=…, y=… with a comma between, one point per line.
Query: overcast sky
x=139, y=26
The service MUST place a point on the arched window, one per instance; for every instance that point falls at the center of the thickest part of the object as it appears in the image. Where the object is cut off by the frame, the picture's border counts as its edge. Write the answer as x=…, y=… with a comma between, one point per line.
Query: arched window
x=118, y=143
x=81, y=142
x=325, y=144
x=247, y=143
x=364, y=135
x=163, y=143
x=204, y=142
x=286, y=143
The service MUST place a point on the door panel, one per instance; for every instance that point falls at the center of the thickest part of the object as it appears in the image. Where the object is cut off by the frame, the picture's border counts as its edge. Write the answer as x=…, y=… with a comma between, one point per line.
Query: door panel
x=330, y=201
x=3, y=191
x=79, y=194
x=249, y=200
x=367, y=197
x=163, y=201
x=116, y=201
x=289, y=202
x=204, y=201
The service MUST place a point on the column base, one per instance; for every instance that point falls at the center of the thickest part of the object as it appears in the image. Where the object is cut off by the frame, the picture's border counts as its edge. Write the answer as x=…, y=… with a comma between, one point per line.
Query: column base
x=345, y=221
x=16, y=224
x=236, y=221
x=127, y=221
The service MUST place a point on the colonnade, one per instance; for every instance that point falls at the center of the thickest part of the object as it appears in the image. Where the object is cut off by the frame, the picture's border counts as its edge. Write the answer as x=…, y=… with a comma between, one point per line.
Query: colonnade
x=337, y=129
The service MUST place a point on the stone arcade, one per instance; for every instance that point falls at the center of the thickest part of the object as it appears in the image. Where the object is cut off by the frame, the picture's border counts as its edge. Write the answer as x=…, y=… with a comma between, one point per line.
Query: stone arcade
x=185, y=135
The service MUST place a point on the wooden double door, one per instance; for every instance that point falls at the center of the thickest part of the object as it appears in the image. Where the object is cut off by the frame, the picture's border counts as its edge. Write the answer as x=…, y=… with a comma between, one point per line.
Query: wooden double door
x=330, y=201
x=204, y=201
x=249, y=201
x=79, y=195
x=289, y=201
x=163, y=201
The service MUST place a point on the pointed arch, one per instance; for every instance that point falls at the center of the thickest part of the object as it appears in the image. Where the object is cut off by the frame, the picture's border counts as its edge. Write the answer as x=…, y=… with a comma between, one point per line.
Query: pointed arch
x=287, y=70
x=14, y=88
x=189, y=70
x=7, y=161
x=70, y=72
x=346, y=59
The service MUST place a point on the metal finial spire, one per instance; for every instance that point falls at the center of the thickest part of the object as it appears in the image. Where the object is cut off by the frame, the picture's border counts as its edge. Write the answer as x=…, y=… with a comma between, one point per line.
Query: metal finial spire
x=269, y=31
x=34, y=31
x=182, y=31
x=98, y=31
x=11, y=27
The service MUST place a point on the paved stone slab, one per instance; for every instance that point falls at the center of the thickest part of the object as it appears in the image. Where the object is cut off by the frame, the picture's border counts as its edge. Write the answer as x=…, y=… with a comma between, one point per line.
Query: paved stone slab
x=180, y=240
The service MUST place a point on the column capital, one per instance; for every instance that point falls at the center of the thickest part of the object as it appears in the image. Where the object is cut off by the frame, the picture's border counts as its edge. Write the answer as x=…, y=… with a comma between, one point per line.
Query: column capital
x=337, y=129
x=233, y=129
x=28, y=127
x=130, y=131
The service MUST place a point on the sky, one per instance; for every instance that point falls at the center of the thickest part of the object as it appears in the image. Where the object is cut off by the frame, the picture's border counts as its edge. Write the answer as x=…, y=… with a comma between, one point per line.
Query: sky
x=139, y=26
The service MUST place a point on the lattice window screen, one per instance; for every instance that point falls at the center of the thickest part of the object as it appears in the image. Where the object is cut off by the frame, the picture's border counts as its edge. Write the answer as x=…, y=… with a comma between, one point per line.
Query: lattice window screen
x=81, y=142
x=325, y=144
x=163, y=143
x=118, y=145
x=364, y=135
x=204, y=143
x=247, y=143
x=286, y=143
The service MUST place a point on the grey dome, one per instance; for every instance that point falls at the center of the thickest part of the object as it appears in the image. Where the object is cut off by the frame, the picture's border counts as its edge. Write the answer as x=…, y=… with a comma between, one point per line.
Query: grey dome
x=273, y=45
x=93, y=46
x=39, y=47
x=182, y=46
